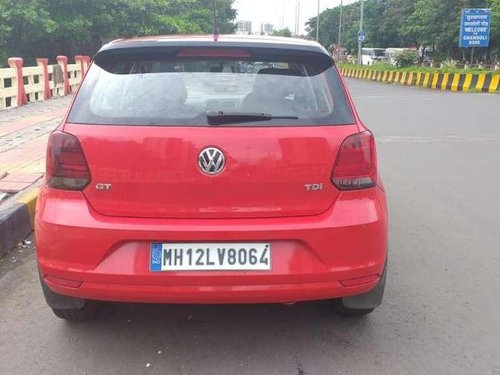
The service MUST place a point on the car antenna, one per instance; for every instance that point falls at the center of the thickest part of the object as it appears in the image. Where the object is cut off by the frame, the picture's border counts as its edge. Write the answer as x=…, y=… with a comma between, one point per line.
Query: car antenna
x=216, y=27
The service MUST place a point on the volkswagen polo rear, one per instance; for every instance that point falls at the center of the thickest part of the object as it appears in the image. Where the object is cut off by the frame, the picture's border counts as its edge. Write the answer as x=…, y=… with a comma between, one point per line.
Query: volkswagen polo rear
x=161, y=187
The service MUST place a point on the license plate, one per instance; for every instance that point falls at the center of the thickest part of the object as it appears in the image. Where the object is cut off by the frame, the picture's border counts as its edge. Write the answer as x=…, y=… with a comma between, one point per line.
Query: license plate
x=210, y=257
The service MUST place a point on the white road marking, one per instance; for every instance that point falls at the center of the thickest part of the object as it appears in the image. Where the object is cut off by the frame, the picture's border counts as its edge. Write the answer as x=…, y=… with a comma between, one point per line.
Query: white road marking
x=438, y=139
x=392, y=97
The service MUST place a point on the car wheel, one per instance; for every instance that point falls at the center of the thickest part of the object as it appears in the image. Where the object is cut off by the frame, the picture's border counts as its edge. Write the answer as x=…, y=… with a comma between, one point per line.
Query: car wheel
x=87, y=312
x=364, y=303
x=339, y=308
x=69, y=308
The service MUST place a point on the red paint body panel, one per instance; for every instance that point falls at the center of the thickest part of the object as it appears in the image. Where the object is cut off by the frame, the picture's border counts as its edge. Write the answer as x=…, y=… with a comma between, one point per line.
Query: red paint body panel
x=157, y=176
x=310, y=255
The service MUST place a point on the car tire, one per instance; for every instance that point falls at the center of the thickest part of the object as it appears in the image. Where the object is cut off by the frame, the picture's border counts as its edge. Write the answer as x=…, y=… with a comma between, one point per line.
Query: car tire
x=69, y=308
x=87, y=312
x=363, y=304
x=339, y=308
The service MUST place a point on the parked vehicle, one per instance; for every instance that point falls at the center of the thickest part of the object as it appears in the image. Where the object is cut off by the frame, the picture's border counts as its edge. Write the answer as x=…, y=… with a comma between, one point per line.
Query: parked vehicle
x=391, y=55
x=372, y=56
x=160, y=188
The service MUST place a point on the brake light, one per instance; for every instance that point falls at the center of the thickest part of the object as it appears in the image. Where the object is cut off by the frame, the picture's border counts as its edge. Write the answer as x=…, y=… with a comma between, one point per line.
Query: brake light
x=356, y=165
x=214, y=52
x=66, y=167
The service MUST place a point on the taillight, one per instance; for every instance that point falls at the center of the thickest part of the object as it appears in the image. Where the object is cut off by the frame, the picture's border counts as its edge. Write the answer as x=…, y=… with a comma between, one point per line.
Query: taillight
x=67, y=168
x=356, y=165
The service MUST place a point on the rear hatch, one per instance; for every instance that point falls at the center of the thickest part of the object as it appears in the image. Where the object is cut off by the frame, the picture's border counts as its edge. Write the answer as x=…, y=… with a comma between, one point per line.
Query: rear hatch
x=144, y=124
x=154, y=172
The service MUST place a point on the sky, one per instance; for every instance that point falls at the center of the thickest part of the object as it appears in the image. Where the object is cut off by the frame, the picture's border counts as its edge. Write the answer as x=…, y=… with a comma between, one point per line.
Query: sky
x=281, y=13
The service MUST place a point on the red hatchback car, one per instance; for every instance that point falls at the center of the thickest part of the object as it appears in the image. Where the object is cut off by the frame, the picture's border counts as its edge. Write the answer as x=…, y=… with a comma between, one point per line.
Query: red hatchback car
x=162, y=188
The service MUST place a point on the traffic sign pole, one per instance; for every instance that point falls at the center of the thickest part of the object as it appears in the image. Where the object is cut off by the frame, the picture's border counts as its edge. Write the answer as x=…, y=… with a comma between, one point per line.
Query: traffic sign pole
x=340, y=29
x=360, y=43
x=317, y=22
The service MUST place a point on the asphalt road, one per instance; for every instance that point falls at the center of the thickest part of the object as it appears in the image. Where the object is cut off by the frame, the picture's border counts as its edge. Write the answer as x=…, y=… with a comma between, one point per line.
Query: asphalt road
x=439, y=155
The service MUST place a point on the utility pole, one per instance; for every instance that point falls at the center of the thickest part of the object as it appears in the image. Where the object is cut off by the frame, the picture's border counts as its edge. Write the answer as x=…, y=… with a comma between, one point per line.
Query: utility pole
x=340, y=30
x=317, y=22
x=216, y=26
x=360, y=43
x=283, y=6
x=296, y=18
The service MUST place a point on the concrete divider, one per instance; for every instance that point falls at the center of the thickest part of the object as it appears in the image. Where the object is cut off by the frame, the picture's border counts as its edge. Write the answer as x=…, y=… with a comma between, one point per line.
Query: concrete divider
x=20, y=85
x=476, y=82
x=16, y=218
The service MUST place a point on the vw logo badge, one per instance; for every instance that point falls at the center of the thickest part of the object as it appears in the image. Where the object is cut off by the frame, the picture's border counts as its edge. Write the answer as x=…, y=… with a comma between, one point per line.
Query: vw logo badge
x=211, y=160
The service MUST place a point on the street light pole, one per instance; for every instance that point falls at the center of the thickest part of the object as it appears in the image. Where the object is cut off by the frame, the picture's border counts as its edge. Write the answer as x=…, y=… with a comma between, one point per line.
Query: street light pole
x=360, y=43
x=317, y=23
x=340, y=30
x=283, y=6
x=296, y=17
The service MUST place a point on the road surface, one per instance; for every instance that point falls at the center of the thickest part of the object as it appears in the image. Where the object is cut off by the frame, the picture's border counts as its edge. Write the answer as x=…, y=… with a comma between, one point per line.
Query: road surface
x=439, y=155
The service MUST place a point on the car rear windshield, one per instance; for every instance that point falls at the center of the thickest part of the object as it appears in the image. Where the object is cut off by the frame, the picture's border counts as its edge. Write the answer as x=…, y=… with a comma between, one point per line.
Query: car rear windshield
x=180, y=90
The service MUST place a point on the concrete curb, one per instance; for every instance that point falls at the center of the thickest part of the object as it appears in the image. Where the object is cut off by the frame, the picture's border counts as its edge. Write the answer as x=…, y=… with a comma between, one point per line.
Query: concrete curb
x=16, y=218
x=471, y=82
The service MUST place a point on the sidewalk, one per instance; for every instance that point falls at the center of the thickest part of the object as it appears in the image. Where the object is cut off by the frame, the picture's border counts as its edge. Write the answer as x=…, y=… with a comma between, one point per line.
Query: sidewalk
x=23, y=137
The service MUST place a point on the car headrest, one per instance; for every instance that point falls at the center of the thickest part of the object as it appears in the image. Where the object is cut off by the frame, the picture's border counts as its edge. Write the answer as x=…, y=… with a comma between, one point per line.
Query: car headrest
x=168, y=88
x=275, y=83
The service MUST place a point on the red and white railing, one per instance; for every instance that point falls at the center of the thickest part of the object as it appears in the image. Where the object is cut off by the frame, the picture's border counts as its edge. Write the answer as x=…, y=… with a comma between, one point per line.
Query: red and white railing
x=21, y=85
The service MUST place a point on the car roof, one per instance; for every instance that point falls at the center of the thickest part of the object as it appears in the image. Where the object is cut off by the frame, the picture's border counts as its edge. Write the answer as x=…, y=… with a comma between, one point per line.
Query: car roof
x=228, y=41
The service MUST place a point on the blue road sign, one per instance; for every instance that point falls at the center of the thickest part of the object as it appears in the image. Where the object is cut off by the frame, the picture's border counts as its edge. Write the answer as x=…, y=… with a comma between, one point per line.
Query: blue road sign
x=361, y=36
x=475, y=28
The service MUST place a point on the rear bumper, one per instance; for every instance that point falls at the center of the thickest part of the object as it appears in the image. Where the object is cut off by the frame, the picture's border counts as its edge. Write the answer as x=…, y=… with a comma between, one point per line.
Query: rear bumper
x=83, y=254
x=240, y=294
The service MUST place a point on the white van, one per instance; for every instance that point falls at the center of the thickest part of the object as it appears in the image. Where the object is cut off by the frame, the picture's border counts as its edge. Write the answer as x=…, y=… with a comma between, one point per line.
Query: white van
x=392, y=53
x=372, y=55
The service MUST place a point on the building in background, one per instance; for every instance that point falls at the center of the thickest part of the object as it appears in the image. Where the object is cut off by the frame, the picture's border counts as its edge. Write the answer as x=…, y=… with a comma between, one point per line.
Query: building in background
x=266, y=28
x=244, y=27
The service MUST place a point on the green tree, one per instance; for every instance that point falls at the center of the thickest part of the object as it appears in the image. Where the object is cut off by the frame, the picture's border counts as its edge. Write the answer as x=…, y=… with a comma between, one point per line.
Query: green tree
x=495, y=30
x=407, y=23
x=283, y=32
x=33, y=28
x=394, y=21
x=383, y=21
x=406, y=59
x=329, y=26
x=436, y=23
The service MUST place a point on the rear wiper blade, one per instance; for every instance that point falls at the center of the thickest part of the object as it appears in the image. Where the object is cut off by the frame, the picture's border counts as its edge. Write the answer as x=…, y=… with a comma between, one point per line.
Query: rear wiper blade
x=219, y=117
